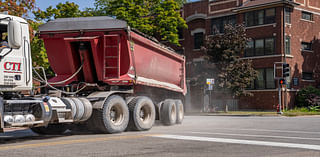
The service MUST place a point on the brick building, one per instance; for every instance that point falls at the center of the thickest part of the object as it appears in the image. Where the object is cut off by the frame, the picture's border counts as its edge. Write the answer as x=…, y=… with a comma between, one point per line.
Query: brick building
x=281, y=30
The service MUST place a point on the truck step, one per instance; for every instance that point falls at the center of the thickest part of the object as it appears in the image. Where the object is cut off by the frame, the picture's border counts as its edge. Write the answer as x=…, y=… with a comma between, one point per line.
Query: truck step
x=58, y=106
x=21, y=101
x=62, y=120
x=26, y=123
x=61, y=110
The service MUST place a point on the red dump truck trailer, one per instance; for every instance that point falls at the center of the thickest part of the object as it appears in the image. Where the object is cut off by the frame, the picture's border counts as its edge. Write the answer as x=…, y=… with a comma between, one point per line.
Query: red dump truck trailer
x=108, y=78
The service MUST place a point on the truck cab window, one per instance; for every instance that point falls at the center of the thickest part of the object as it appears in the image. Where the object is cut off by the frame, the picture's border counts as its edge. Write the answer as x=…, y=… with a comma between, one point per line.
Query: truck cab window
x=3, y=36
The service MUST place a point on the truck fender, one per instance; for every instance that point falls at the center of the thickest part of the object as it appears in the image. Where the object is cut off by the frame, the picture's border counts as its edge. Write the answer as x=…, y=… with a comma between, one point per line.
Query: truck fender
x=105, y=96
x=1, y=115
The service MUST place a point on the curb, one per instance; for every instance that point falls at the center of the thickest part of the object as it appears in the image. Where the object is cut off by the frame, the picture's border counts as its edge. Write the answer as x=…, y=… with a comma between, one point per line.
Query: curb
x=231, y=115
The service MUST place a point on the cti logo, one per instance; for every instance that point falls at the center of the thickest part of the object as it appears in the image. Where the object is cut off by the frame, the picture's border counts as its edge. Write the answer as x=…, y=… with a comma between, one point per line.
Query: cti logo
x=12, y=67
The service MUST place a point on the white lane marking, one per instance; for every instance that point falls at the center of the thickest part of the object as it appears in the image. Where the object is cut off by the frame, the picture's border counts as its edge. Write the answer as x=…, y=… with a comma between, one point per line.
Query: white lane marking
x=236, y=141
x=266, y=130
x=251, y=135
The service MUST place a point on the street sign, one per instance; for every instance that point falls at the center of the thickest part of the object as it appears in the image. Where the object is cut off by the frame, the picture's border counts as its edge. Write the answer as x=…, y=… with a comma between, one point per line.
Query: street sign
x=210, y=81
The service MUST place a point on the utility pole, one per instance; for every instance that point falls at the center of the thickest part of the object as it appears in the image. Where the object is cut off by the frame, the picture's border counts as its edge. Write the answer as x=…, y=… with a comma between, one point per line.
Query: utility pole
x=285, y=72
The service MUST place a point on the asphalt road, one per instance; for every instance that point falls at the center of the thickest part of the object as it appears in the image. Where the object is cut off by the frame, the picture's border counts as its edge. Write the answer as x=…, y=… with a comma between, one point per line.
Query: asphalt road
x=197, y=136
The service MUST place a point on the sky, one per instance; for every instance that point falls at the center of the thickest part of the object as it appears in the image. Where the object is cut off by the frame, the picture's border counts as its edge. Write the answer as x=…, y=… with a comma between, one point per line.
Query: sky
x=43, y=4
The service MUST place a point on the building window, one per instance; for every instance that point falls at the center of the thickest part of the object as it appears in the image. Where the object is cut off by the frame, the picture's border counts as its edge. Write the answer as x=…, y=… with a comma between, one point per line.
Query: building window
x=260, y=81
x=307, y=16
x=270, y=78
x=306, y=46
x=260, y=47
x=307, y=75
x=260, y=17
x=264, y=80
x=288, y=15
x=270, y=15
x=287, y=45
x=218, y=24
x=295, y=81
x=269, y=46
x=250, y=49
x=198, y=40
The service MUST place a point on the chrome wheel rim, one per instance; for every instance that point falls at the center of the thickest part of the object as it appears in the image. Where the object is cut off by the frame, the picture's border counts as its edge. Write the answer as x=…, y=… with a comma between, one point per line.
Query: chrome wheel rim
x=116, y=114
x=145, y=114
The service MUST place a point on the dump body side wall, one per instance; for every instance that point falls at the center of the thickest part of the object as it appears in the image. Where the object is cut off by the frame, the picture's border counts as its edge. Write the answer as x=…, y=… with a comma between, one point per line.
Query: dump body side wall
x=141, y=61
x=157, y=66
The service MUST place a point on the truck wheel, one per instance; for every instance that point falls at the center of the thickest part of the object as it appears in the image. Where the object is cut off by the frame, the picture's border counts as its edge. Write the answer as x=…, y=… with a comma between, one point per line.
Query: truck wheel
x=114, y=116
x=52, y=129
x=180, y=111
x=168, y=112
x=142, y=114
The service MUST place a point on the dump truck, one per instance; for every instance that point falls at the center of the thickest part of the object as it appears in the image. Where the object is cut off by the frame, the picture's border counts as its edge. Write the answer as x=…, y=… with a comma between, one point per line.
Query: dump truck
x=109, y=78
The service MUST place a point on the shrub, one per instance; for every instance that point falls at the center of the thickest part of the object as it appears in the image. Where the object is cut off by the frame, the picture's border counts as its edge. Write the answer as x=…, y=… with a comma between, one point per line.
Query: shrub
x=308, y=97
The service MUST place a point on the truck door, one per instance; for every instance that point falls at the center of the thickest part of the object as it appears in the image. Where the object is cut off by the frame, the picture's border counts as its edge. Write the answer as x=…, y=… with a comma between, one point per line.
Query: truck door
x=15, y=61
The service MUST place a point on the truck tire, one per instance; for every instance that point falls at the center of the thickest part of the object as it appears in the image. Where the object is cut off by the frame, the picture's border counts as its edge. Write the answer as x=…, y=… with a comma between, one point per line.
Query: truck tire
x=113, y=117
x=87, y=109
x=180, y=111
x=52, y=129
x=142, y=114
x=168, y=112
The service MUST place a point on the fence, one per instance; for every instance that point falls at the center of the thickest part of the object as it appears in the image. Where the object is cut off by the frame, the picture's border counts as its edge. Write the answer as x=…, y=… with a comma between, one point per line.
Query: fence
x=220, y=105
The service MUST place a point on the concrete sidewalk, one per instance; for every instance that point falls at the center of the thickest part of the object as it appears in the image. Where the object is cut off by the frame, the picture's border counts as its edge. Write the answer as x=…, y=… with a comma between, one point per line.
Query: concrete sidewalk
x=232, y=113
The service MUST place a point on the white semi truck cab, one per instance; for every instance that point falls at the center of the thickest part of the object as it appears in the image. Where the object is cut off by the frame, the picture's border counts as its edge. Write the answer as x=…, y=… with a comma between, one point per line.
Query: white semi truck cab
x=15, y=59
x=18, y=110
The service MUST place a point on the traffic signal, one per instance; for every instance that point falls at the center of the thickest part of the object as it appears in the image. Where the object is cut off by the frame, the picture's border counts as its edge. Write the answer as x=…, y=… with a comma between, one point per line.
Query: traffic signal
x=285, y=70
x=282, y=81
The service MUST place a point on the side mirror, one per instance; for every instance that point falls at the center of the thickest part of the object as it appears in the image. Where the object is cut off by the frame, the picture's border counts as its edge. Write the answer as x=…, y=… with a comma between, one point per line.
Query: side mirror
x=14, y=34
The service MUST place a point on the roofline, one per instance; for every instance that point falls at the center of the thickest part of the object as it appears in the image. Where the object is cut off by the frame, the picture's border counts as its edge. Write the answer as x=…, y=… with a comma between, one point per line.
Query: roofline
x=266, y=4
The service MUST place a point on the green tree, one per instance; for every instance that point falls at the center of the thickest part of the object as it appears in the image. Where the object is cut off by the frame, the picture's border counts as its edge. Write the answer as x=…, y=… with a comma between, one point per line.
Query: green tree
x=158, y=18
x=181, y=2
x=17, y=7
x=308, y=96
x=61, y=10
x=224, y=50
x=68, y=9
x=39, y=55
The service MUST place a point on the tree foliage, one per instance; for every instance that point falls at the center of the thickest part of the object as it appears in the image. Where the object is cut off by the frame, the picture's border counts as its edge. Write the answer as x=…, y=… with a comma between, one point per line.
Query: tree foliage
x=308, y=96
x=158, y=18
x=181, y=2
x=61, y=10
x=17, y=7
x=224, y=50
x=39, y=55
x=68, y=9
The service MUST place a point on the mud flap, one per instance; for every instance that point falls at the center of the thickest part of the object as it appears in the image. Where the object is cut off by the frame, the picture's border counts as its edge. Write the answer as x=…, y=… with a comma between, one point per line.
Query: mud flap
x=1, y=115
